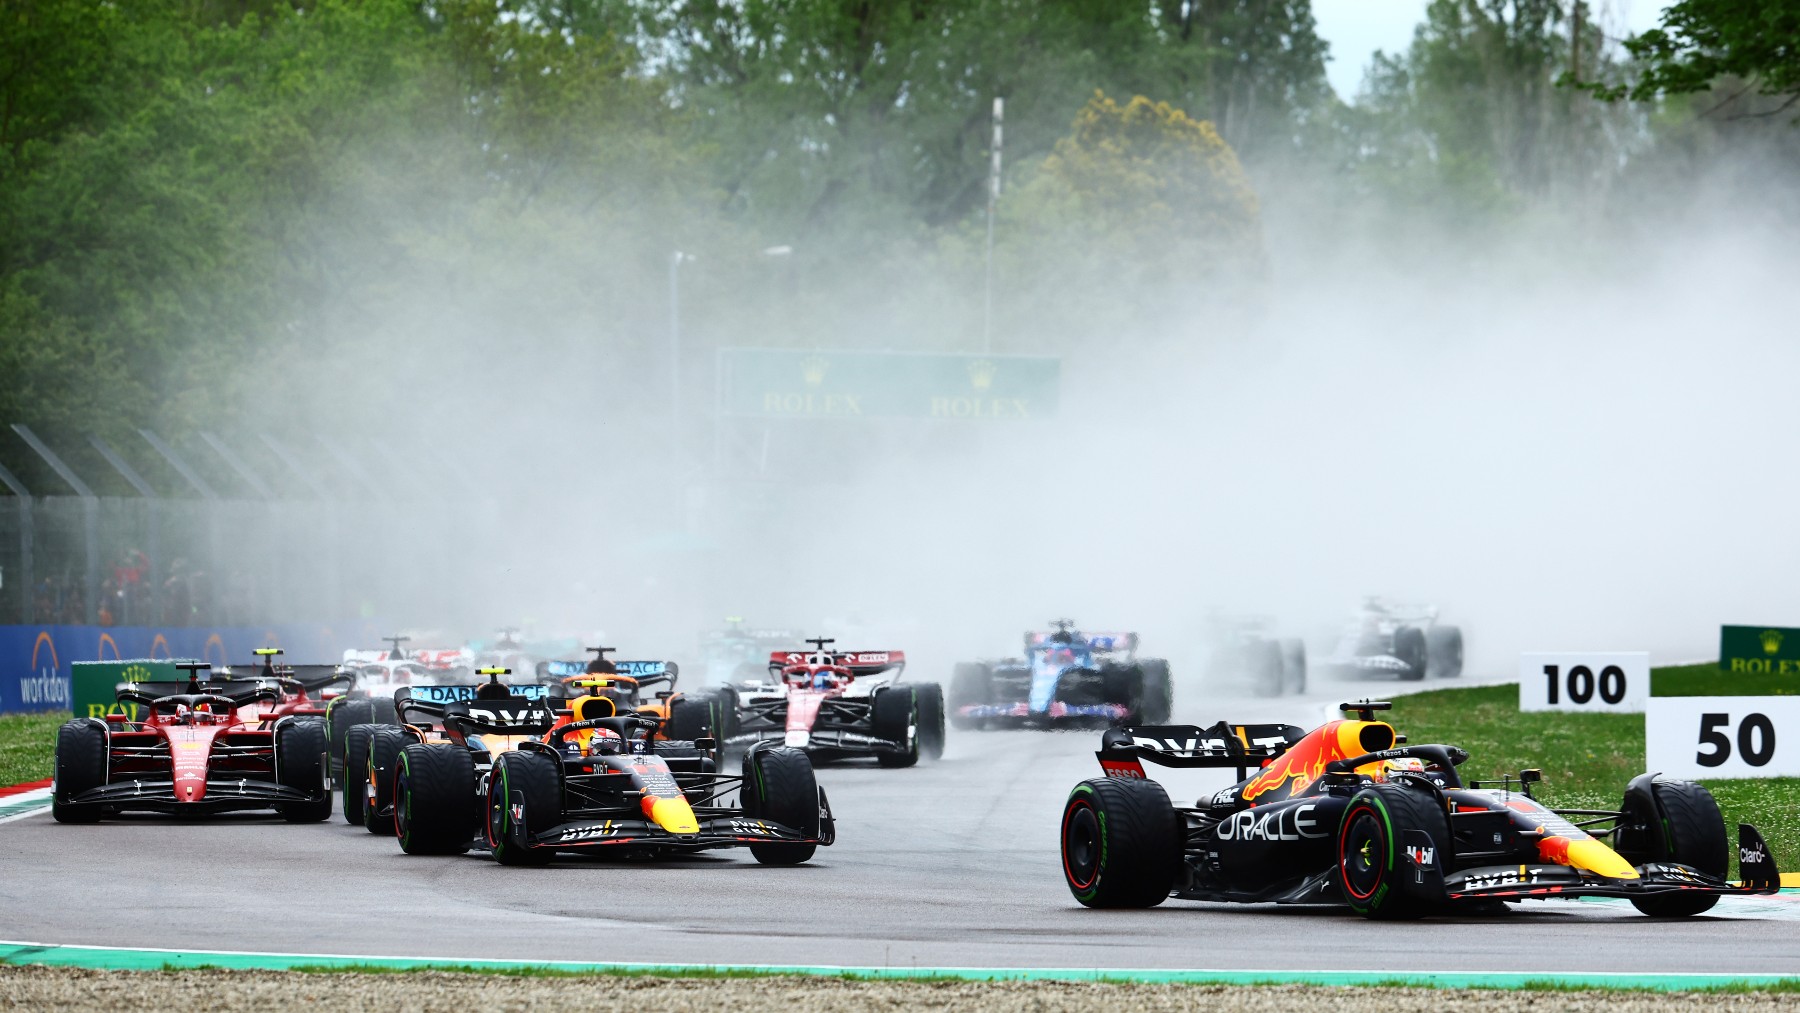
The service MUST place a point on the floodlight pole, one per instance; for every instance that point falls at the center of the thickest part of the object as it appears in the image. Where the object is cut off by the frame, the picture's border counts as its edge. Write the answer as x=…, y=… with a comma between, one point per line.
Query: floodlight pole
x=987, y=313
x=675, y=261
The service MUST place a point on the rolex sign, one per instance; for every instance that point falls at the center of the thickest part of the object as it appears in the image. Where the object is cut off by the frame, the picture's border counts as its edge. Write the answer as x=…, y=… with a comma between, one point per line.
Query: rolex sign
x=1759, y=650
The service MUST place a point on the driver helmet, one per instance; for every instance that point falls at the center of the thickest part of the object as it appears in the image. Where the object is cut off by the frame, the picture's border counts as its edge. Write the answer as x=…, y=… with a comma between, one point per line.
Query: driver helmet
x=824, y=679
x=602, y=742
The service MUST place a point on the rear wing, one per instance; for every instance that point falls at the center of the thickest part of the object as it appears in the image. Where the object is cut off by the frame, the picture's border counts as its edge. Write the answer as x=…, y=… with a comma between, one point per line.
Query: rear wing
x=1122, y=750
x=645, y=672
x=859, y=663
x=435, y=700
x=1102, y=643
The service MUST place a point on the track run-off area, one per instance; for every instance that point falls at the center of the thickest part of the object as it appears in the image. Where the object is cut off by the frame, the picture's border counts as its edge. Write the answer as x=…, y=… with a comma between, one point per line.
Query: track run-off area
x=945, y=866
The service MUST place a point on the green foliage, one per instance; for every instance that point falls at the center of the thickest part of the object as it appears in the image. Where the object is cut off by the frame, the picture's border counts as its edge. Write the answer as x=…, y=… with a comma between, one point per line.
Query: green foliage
x=1701, y=41
x=1586, y=758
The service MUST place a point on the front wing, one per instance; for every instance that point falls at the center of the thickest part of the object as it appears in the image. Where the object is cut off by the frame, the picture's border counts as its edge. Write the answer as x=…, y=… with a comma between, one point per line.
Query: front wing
x=1021, y=711
x=631, y=833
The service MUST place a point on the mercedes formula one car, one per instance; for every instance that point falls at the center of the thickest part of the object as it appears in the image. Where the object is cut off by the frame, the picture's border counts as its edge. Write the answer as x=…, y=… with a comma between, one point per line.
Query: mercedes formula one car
x=1348, y=814
x=1407, y=641
x=202, y=747
x=1245, y=650
x=513, y=777
x=832, y=704
x=1066, y=677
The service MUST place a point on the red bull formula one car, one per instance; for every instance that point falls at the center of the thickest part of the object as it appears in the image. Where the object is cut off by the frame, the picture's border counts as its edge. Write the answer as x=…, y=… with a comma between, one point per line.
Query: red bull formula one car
x=1346, y=814
x=200, y=748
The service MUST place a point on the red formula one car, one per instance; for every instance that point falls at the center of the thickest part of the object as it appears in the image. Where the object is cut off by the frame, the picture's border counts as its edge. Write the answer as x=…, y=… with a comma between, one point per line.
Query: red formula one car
x=201, y=747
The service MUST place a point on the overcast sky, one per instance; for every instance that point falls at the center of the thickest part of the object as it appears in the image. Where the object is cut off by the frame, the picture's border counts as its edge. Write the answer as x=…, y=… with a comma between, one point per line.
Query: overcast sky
x=1356, y=28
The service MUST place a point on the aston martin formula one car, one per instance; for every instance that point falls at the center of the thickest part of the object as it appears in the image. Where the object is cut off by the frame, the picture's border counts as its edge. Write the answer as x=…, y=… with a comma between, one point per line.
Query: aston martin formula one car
x=1346, y=814
x=832, y=704
x=594, y=781
x=1066, y=677
x=1406, y=641
x=201, y=747
x=739, y=653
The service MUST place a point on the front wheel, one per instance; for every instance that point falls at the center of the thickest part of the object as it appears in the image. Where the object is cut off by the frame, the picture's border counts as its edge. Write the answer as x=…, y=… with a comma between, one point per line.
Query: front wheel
x=896, y=719
x=1692, y=833
x=81, y=757
x=779, y=786
x=930, y=699
x=1373, y=857
x=299, y=764
x=1122, y=843
x=533, y=778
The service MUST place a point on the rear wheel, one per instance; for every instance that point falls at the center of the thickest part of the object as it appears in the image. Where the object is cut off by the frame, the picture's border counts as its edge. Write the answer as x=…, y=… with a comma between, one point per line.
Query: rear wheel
x=690, y=716
x=779, y=786
x=81, y=753
x=1372, y=858
x=342, y=715
x=1122, y=843
x=1444, y=651
x=971, y=683
x=1693, y=833
x=534, y=778
x=930, y=699
x=1124, y=685
x=1293, y=666
x=355, y=781
x=385, y=744
x=1159, y=691
x=299, y=758
x=1409, y=647
x=434, y=799
x=896, y=719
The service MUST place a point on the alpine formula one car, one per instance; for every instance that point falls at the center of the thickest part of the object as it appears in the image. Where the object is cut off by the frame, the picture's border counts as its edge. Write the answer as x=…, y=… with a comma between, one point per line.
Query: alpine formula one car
x=832, y=704
x=1246, y=650
x=1346, y=814
x=511, y=776
x=1401, y=640
x=1066, y=677
x=201, y=747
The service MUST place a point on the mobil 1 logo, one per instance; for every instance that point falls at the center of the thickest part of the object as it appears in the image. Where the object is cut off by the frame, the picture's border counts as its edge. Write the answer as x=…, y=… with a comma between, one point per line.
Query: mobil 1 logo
x=1723, y=736
x=1609, y=681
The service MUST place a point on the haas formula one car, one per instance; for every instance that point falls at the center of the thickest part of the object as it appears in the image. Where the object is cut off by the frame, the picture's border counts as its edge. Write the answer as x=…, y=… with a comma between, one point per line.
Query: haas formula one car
x=1401, y=640
x=1066, y=677
x=201, y=747
x=1345, y=814
x=509, y=775
x=834, y=705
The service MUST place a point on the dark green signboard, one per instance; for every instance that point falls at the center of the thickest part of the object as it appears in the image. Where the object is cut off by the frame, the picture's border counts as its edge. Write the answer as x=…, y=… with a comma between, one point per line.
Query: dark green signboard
x=93, y=683
x=1759, y=649
x=788, y=383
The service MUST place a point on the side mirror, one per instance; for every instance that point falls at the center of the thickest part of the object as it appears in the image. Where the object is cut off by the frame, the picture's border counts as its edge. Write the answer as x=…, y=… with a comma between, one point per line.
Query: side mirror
x=664, y=694
x=706, y=744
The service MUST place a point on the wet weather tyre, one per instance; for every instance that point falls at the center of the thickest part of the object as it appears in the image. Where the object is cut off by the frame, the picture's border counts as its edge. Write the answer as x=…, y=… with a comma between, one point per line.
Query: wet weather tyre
x=1159, y=691
x=1693, y=833
x=1372, y=860
x=779, y=786
x=299, y=763
x=355, y=780
x=434, y=799
x=385, y=744
x=724, y=717
x=1293, y=666
x=1409, y=647
x=1263, y=659
x=930, y=699
x=690, y=716
x=340, y=717
x=896, y=719
x=1122, y=843
x=1444, y=651
x=533, y=777
x=971, y=684
x=81, y=757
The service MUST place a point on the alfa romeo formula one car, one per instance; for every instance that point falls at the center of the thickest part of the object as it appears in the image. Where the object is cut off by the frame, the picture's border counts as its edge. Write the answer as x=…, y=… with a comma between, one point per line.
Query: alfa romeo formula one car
x=512, y=777
x=1066, y=677
x=1347, y=814
x=1407, y=641
x=201, y=747
x=833, y=705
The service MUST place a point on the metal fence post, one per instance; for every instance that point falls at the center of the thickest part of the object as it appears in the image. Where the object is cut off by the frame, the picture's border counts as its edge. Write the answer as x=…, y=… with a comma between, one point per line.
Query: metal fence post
x=19, y=491
x=90, y=519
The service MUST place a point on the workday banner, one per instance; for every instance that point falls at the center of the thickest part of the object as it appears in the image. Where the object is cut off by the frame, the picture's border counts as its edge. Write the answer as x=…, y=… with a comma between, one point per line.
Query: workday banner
x=35, y=673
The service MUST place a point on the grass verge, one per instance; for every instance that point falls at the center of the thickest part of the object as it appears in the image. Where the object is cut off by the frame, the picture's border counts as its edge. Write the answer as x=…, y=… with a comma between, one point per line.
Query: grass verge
x=1586, y=758
x=28, y=746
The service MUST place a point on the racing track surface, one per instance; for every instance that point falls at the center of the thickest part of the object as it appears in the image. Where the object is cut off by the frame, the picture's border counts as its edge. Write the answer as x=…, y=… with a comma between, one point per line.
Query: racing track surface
x=952, y=864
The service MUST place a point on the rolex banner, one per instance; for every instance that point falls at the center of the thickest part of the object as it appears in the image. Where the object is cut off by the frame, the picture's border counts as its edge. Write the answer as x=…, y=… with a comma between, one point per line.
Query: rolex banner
x=1759, y=650
x=791, y=383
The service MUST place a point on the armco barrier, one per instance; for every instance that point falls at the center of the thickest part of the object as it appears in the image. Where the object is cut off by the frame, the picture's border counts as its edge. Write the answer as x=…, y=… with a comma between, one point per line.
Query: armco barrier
x=35, y=660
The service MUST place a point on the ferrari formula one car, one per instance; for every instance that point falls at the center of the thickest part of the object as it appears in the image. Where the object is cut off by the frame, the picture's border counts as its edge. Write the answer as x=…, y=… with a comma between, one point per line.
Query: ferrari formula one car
x=1245, y=649
x=513, y=777
x=1066, y=677
x=201, y=747
x=1346, y=814
x=1401, y=640
x=832, y=704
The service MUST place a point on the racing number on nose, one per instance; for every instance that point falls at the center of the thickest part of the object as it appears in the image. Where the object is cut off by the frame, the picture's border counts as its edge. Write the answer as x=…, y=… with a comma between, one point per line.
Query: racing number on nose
x=1755, y=740
x=1581, y=683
